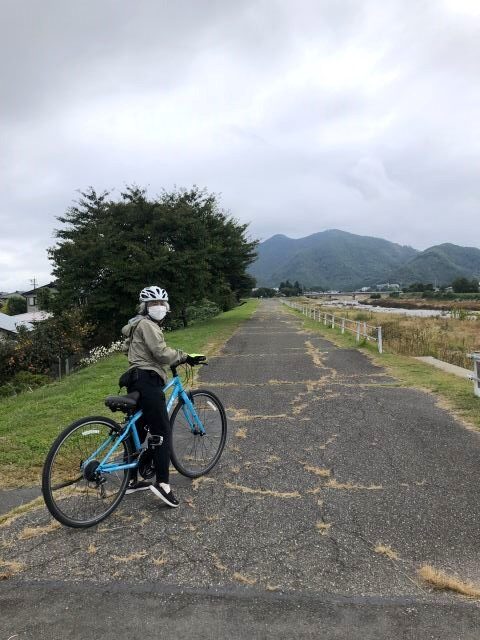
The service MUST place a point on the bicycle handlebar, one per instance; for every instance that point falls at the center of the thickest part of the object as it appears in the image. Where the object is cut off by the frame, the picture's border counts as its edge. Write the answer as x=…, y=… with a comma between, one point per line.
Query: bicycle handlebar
x=173, y=368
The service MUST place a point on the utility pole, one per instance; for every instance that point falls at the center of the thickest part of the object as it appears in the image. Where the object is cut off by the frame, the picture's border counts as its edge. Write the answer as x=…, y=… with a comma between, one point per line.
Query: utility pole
x=34, y=282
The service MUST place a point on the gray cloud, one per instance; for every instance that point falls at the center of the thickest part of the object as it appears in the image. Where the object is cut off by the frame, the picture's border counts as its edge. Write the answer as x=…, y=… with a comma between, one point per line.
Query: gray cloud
x=354, y=115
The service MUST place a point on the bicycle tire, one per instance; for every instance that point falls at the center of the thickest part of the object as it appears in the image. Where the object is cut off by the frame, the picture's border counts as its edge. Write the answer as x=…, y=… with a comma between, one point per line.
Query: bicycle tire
x=177, y=456
x=56, y=501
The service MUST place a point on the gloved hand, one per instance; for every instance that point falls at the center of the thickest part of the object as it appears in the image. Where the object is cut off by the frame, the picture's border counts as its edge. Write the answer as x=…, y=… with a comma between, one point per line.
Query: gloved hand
x=195, y=359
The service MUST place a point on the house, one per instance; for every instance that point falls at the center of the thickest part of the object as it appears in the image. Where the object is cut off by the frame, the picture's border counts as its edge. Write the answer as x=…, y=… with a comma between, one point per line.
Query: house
x=32, y=296
x=8, y=327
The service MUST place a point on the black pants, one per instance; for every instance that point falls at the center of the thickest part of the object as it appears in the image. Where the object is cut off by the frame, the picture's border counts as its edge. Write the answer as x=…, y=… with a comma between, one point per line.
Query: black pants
x=154, y=407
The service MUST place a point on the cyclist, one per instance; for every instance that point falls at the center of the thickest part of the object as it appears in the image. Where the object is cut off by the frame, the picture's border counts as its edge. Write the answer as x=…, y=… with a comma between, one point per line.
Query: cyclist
x=148, y=357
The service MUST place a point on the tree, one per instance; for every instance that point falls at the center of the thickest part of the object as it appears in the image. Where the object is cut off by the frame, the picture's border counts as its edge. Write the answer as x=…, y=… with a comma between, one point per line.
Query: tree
x=463, y=285
x=182, y=240
x=288, y=289
x=15, y=305
x=45, y=300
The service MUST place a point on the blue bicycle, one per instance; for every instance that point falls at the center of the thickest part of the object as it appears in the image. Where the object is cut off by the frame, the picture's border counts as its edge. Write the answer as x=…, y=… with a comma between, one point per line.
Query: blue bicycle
x=88, y=467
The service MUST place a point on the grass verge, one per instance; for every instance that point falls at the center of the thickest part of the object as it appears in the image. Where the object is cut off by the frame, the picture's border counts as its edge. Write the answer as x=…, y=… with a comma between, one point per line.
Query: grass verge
x=456, y=394
x=31, y=421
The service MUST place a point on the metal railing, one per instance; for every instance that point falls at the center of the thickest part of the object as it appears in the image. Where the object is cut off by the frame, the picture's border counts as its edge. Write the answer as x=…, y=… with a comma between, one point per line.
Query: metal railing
x=362, y=330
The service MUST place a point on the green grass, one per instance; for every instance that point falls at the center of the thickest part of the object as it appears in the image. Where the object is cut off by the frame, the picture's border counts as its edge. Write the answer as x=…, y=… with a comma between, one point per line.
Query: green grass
x=30, y=422
x=455, y=394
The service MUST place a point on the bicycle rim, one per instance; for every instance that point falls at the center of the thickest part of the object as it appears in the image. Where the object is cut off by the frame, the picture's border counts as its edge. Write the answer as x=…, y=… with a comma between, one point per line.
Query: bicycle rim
x=75, y=493
x=195, y=454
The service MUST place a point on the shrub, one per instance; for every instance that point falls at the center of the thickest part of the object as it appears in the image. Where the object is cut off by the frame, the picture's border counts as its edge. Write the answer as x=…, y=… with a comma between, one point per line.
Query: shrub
x=15, y=305
x=22, y=381
x=362, y=316
x=202, y=310
x=375, y=296
x=37, y=350
x=98, y=353
x=7, y=360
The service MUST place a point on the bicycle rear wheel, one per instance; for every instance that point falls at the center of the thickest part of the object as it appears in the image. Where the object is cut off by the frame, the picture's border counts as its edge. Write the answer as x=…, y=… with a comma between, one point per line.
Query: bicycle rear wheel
x=74, y=492
x=192, y=453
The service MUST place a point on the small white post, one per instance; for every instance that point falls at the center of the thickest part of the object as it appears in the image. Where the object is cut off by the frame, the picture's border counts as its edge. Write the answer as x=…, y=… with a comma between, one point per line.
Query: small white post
x=357, y=337
x=475, y=356
x=325, y=319
x=365, y=329
x=379, y=339
x=343, y=325
x=333, y=320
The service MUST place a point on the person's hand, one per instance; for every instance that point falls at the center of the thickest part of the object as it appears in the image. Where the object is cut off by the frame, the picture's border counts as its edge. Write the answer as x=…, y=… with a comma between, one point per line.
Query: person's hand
x=195, y=359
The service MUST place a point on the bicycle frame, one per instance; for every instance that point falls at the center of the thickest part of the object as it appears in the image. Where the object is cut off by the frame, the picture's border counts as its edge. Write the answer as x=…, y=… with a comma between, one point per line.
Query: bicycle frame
x=178, y=393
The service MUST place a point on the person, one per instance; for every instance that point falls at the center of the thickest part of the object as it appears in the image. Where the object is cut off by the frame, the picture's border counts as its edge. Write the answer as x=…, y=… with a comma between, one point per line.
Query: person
x=148, y=357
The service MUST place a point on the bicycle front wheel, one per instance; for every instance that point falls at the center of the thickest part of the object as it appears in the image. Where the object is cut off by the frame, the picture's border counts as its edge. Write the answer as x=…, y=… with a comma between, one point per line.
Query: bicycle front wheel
x=75, y=493
x=193, y=453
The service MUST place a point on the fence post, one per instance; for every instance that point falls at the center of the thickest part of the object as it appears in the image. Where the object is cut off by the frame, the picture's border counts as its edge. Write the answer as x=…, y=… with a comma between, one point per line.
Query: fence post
x=357, y=337
x=365, y=329
x=59, y=368
x=325, y=319
x=67, y=366
x=333, y=320
x=343, y=325
x=379, y=336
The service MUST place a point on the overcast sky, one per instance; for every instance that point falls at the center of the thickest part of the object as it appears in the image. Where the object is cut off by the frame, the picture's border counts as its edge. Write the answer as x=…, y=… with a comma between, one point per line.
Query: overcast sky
x=361, y=115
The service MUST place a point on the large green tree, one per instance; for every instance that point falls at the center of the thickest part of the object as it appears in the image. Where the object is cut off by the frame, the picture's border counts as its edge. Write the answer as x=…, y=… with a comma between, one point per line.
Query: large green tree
x=108, y=250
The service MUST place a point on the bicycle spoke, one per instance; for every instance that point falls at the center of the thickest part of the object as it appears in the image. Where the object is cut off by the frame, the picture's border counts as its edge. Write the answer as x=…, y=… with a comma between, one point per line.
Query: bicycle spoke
x=194, y=453
x=75, y=492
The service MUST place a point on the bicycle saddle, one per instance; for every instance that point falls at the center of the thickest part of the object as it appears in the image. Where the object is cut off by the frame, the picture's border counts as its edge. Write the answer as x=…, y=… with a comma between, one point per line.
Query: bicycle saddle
x=126, y=404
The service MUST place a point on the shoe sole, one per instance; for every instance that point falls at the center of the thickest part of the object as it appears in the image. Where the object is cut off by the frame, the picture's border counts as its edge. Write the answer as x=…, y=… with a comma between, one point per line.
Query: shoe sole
x=159, y=495
x=129, y=492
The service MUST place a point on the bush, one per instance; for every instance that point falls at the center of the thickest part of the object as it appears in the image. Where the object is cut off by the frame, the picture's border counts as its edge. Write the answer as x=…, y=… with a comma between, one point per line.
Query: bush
x=37, y=350
x=15, y=305
x=375, y=296
x=22, y=381
x=98, y=353
x=7, y=360
x=202, y=310
x=362, y=316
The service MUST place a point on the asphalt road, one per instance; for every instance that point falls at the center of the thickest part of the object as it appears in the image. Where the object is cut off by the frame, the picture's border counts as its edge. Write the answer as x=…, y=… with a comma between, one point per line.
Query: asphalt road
x=327, y=458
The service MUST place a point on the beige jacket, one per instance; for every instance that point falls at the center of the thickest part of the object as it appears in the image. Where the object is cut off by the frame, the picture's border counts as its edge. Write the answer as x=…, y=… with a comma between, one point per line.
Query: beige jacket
x=147, y=348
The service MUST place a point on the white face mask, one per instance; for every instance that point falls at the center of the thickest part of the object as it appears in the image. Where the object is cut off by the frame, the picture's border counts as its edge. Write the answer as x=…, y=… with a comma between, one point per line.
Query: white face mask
x=158, y=312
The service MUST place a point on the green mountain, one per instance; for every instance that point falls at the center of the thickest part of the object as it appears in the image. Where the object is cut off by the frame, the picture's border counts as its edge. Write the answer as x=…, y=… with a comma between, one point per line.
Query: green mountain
x=339, y=260
x=441, y=264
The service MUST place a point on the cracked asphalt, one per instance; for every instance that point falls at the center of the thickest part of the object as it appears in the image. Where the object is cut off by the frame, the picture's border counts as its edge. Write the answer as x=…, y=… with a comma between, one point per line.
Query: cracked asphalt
x=329, y=462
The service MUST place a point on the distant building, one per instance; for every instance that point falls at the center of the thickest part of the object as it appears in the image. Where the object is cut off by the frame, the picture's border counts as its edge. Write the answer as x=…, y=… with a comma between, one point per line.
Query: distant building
x=32, y=296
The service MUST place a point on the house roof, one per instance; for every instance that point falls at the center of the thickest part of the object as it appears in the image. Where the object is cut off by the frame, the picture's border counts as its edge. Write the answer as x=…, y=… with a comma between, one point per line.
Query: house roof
x=50, y=285
x=7, y=323
x=26, y=319
x=10, y=323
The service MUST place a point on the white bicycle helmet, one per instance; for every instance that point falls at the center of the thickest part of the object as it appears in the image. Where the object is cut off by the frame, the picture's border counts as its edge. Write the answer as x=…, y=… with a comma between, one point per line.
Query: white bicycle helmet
x=153, y=293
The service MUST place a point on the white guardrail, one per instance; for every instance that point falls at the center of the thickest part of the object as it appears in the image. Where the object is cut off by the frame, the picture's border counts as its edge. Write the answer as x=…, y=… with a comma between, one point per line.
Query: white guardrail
x=362, y=330
x=476, y=372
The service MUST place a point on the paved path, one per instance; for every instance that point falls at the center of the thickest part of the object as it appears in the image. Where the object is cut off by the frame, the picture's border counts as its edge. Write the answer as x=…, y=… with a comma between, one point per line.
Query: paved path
x=327, y=458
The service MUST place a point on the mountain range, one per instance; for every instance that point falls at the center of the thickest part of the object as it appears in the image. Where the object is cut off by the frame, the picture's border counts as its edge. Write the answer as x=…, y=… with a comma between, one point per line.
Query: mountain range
x=336, y=259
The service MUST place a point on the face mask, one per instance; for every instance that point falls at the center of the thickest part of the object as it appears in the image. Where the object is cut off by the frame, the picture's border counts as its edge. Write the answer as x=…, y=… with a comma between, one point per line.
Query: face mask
x=158, y=312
